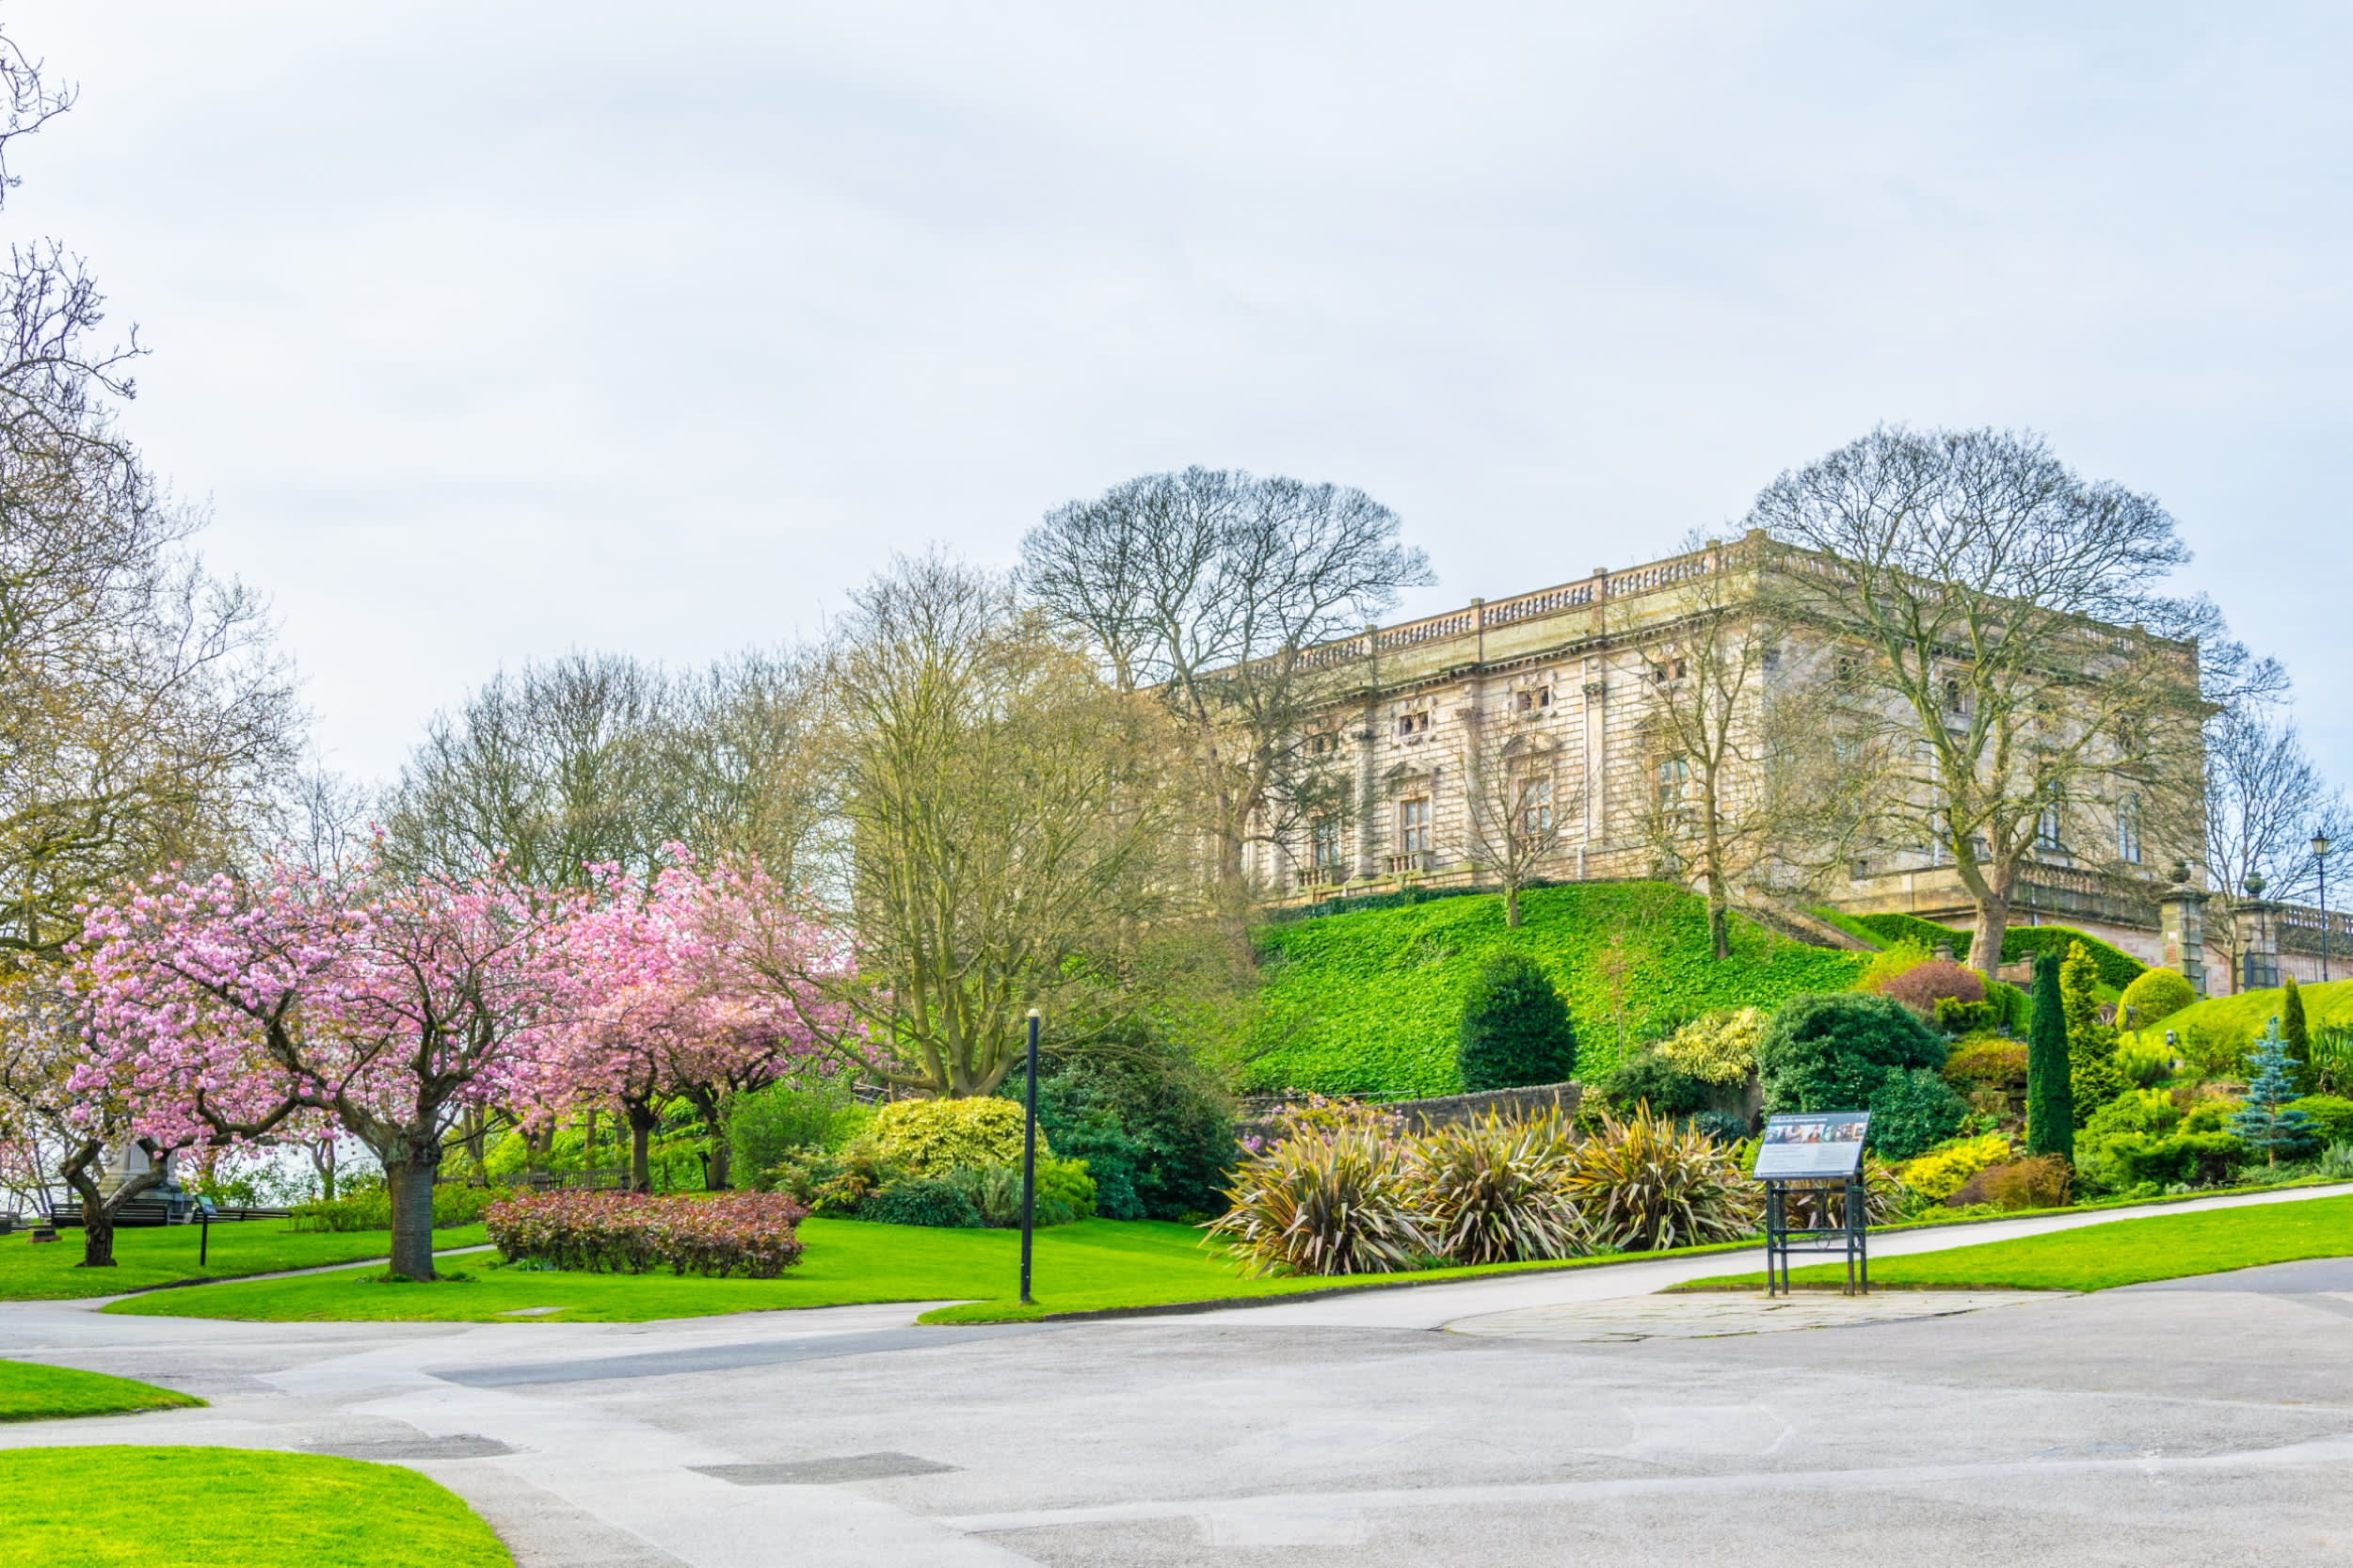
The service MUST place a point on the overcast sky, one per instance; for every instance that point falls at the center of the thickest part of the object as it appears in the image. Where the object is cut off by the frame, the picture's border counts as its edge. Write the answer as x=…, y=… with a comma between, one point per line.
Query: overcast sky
x=489, y=332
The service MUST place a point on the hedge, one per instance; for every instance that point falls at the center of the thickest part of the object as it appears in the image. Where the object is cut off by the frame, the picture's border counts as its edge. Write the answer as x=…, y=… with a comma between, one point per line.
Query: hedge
x=2118, y=968
x=746, y=1233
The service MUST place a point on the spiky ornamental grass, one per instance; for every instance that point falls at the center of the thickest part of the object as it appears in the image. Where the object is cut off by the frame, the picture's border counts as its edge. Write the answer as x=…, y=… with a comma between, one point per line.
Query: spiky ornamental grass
x=1336, y=1195
x=1494, y=1191
x=1646, y=1183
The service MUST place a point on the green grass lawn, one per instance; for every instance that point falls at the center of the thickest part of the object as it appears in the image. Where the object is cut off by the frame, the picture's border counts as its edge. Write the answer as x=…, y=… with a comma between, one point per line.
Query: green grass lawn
x=1371, y=1001
x=31, y=1392
x=120, y=1507
x=2245, y=1015
x=1087, y=1267
x=2098, y=1258
x=160, y=1255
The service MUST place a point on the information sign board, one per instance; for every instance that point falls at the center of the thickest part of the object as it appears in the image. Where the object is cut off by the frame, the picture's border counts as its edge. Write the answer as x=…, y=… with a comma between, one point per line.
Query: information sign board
x=1826, y=1143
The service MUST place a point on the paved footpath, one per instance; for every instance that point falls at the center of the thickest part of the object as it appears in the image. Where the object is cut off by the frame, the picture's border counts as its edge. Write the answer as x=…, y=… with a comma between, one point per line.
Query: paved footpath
x=1568, y=1417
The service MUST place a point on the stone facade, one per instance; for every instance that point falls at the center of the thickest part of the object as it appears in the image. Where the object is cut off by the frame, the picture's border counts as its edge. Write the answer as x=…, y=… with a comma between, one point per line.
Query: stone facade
x=1572, y=676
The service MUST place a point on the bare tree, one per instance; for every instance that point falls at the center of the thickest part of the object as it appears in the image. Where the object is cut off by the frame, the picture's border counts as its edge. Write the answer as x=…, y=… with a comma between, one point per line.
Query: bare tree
x=2263, y=801
x=1754, y=768
x=999, y=822
x=745, y=743
x=2008, y=616
x=142, y=713
x=1226, y=593
x=1516, y=800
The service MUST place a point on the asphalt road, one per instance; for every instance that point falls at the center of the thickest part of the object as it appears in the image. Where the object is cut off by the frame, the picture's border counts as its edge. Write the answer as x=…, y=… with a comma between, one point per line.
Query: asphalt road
x=2207, y=1421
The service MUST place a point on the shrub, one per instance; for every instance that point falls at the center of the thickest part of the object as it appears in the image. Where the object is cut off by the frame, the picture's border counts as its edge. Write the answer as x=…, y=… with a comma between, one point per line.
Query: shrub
x=1646, y=1183
x=1940, y=1173
x=2038, y=1183
x=1328, y=1199
x=1154, y=1129
x=2265, y=1123
x=765, y=1124
x=2333, y=1059
x=2331, y=1116
x=1649, y=1078
x=1913, y=1110
x=2050, y=1102
x=1494, y=1193
x=930, y=1138
x=1720, y=1048
x=2007, y=1008
x=1986, y=1061
x=1515, y=1029
x=2155, y=997
x=1831, y=1052
x=1064, y=1193
x=734, y=1233
x=2092, y=1077
x=2180, y=1158
x=829, y=1184
x=1923, y=986
x=2297, y=1036
x=1953, y=1016
x=2144, y=1062
x=936, y=1201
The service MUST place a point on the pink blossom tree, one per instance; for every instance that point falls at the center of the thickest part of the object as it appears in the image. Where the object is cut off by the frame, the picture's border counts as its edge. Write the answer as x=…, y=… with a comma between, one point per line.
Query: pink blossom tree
x=235, y=1009
x=668, y=1010
x=61, y=1109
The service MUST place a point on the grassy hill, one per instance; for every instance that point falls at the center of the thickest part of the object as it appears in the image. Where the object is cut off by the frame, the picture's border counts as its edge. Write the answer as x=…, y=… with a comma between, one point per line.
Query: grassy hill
x=1367, y=1001
x=2246, y=1015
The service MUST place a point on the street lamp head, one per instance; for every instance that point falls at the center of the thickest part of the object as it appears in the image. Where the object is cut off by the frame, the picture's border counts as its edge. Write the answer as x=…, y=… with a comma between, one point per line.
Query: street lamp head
x=2320, y=843
x=1033, y=1012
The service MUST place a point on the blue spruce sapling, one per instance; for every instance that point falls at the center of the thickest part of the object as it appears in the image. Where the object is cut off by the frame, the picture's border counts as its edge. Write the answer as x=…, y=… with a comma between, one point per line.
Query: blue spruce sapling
x=2265, y=1122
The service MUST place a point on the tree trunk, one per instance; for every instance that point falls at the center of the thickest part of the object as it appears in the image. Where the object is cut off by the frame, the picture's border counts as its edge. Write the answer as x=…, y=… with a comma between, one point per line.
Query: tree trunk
x=1512, y=903
x=98, y=1222
x=411, y=1183
x=1985, y=946
x=1719, y=922
x=718, y=1165
x=643, y=1119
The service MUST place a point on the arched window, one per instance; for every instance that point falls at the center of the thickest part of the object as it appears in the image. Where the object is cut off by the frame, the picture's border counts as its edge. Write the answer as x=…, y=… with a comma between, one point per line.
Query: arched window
x=2128, y=830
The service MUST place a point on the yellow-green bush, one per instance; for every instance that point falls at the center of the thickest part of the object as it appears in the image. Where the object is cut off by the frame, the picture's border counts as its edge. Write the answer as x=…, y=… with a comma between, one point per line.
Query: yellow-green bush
x=1718, y=1049
x=930, y=1138
x=2154, y=998
x=1899, y=958
x=1940, y=1173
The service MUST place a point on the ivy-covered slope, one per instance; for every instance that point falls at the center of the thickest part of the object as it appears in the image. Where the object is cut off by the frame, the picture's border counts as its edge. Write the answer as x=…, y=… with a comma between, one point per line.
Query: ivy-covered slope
x=1368, y=1003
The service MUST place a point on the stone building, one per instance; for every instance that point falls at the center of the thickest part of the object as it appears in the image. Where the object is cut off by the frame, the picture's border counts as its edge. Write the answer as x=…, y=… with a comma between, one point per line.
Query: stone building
x=1567, y=680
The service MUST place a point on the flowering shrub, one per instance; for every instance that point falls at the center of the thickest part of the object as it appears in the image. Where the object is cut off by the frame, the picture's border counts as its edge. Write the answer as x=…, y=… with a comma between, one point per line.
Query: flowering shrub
x=930, y=1138
x=1939, y=1173
x=745, y=1233
x=1718, y=1049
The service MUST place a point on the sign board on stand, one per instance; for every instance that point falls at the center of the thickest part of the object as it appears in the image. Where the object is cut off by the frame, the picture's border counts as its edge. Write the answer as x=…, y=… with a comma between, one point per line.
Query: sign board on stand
x=1814, y=1198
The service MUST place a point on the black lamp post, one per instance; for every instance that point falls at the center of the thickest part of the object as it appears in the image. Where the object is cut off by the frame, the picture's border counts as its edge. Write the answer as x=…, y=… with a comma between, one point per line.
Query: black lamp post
x=2320, y=859
x=1029, y=1163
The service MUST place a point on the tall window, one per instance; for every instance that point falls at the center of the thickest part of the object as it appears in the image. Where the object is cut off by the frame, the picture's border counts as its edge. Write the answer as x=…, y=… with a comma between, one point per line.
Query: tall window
x=1413, y=825
x=1414, y=724
x=1326, y=838
x=1673, y=773
x=1535, y=807
x=2128, y=830
x=2046, y=827
x=1534, y=698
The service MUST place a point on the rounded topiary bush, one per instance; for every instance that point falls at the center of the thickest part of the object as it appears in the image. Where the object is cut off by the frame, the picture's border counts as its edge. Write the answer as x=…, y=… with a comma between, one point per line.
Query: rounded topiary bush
x=2154, y=998
x=1923, y=986
x=1831, y=1052
x=1515, y=1028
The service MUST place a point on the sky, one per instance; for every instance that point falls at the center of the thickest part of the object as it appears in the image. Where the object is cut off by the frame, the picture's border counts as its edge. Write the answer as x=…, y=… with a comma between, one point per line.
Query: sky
x=489, y=332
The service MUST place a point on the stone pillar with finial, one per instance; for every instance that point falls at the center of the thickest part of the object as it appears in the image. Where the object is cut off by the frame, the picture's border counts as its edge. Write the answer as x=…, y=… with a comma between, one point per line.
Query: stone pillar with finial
x=2257, y=920
x=2182, y=922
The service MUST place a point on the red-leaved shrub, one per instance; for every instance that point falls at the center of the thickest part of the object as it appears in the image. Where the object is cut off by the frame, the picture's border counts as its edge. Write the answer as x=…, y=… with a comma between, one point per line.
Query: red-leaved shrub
x=1923, y=985
x=732, y=1233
